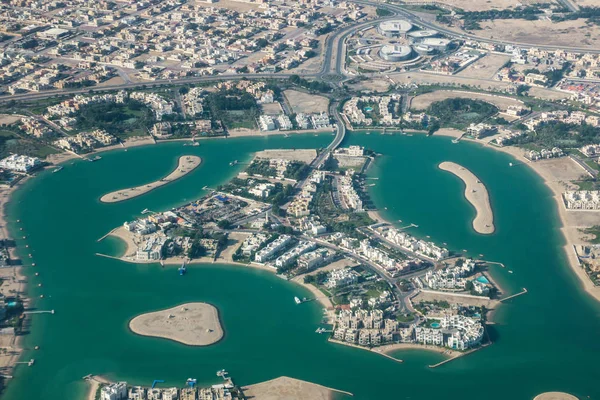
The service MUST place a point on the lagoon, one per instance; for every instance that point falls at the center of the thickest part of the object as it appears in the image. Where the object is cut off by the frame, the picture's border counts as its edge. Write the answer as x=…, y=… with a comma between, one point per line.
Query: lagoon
x=544, y=341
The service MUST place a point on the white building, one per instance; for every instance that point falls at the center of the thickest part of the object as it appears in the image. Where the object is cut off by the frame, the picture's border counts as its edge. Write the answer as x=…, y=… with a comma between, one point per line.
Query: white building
x=269, y=251
x=266, y=123
x=19, y=163
x=341, y=277
x=114, y=391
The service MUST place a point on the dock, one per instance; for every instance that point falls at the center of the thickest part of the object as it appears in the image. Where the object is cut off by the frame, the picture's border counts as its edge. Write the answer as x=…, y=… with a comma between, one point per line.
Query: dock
x=459, y=356
x=39, y=312
x=514, y=295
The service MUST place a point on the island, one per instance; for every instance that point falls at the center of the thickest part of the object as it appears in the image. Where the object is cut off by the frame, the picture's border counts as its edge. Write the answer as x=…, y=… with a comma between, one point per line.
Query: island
x=186, y=165
x=476, y=193
x=194, y=324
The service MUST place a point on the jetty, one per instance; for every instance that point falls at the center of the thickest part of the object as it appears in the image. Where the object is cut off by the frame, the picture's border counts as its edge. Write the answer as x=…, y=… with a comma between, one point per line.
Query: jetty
x=514, y=295
x=39, y=312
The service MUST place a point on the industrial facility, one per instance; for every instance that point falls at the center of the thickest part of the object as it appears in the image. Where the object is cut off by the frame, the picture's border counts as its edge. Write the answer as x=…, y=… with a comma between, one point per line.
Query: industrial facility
x=395, y=53
x=394, y=28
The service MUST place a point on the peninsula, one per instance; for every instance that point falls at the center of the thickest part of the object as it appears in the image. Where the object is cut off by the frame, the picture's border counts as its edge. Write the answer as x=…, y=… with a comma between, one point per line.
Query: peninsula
x=476, y=193
x=186, y=165
x=194, y=324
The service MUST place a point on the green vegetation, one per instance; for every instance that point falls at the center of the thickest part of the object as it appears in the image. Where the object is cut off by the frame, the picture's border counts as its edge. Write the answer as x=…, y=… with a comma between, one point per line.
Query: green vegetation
x=460, y=113
x=236, y=109
x=529, y=13
x=261, y=167
x=296, y=170
x=132, y=118
x=336, y=219
x=382, y=12
x=592, y=14
x=12, y=140
x=559, y=134
x=315, y=86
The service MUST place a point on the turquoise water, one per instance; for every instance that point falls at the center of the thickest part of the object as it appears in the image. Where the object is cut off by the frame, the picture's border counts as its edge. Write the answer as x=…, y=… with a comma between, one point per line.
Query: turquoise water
x=483, y=279
x=542, y=341
x=435, y=325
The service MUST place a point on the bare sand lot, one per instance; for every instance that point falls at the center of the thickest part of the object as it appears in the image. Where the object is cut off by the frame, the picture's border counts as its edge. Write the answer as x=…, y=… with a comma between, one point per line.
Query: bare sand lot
x=567, y=33
x=424, y=78
x=371, y=85
x=185, y=165
x=284, y=388
x=423, y=101
x=453, y=299
x=303, y=155
x=272, y=108
x=8, y=119
x=194, y=324
x=483, y=5
x=486, y=67
x=476, y=193
x=301, y=102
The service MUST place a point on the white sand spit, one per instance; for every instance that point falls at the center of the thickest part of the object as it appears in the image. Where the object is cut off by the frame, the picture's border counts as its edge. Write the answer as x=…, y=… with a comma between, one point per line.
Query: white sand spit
x=476, y=193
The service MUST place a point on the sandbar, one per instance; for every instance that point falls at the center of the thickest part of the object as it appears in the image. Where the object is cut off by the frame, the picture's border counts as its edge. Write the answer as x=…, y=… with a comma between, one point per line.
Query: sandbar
x=476, y=193
x=284, y=388
x=186, y=165
x=555, y=396
x=194, y=324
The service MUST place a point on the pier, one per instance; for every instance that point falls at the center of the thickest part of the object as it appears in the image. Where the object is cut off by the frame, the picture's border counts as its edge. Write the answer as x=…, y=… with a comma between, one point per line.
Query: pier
x=514, y=295
x=29, y=363
x=104, y=237
x=459, y=356
x=39, y=312
x=323, y=330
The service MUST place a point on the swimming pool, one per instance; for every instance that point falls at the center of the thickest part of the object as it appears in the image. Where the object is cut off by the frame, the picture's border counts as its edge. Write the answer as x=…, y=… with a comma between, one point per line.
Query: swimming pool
x=368, y=109
x=435, y=325
x=11, y=303
x=483, y=279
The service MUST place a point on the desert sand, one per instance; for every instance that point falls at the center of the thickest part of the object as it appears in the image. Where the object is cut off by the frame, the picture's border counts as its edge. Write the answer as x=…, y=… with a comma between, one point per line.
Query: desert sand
x=186, y=165
x=284, y=388
x=194, y=324
x=476, y=193
x=303, y=155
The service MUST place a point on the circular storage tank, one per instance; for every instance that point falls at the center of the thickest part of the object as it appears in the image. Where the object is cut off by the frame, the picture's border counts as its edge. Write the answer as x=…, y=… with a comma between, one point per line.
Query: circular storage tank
x=423, y=49
x=426, y=33
x=394, y=28
x=395, y=53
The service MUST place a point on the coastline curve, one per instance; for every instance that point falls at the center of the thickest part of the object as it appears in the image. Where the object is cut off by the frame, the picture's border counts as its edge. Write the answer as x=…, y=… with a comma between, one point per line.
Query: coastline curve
x=476, y=193
x=185, y=165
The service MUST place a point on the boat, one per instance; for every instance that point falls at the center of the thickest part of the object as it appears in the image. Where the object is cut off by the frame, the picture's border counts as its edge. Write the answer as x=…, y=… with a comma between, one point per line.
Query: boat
x=96, y=158
x=297, y=300
x=234, y=162
x=182, y=269
x=222, y=373
x=57, y=169
x=145, y=210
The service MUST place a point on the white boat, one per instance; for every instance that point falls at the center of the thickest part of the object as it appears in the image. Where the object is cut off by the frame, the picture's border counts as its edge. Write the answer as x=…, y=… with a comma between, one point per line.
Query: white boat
x=57, y=169
x=297, y=300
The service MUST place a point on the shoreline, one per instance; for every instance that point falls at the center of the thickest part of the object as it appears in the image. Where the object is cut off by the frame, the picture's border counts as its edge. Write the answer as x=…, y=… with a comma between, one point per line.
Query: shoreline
x=484, y=219
x=569, y=252
x=138, y=141
x=179, y=172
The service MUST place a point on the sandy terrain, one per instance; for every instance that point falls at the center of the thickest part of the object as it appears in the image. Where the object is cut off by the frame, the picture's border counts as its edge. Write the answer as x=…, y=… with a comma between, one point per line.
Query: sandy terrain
x=390, y=348
x=301, y=102
x=486, y=67
x=371, y=85
x=194, y=324
x=272, y=108
x=424, y=78
x=476, y=193
x=554, y=396
x=303, y=155
x=284, y=388
x=566, y=33
x=450, y=298
x=186, y=165
x=423, y=101
x=482, y=5
x=7, y=119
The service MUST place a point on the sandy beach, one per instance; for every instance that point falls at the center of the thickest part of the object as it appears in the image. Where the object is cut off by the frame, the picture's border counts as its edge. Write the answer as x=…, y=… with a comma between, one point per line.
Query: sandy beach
x=284, y=388
x=186, y=164
x=390, y=348
x=476, y=193
x=556, y=174
x=194, y=324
